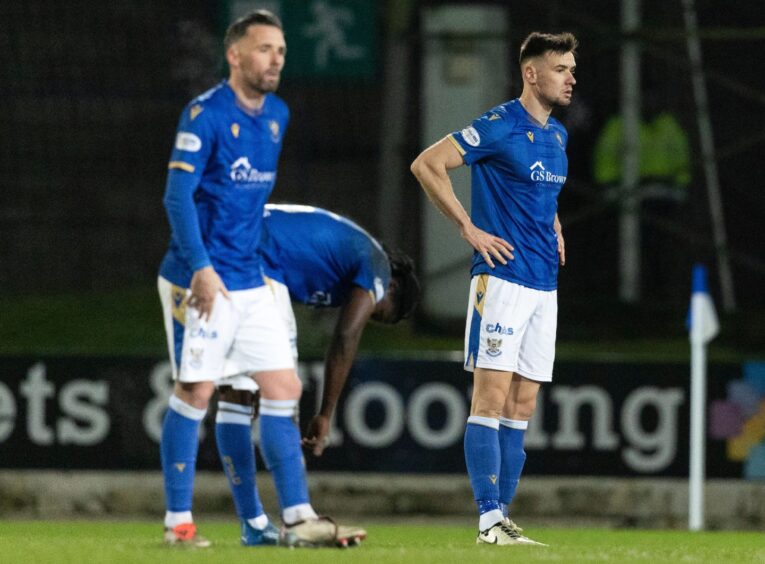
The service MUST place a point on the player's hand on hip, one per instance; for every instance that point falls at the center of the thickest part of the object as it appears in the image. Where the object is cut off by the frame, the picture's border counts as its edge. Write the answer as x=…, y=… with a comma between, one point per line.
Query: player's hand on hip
x=205, y=285
x=317, y=435
x=490, y=246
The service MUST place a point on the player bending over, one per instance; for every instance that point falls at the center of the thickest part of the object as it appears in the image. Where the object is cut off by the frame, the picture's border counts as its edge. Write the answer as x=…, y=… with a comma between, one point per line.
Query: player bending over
x=318, y=258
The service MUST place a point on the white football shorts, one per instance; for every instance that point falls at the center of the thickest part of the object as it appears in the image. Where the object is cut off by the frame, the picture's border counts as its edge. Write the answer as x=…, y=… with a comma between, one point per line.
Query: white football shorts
x=511, y=328
x=245, y=334
x=284, y=304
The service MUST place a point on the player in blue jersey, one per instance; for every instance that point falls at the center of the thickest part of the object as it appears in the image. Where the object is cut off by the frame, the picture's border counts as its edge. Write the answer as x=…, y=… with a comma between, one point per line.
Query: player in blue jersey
x=216, y=305
x=318, y=258
x=518, y=162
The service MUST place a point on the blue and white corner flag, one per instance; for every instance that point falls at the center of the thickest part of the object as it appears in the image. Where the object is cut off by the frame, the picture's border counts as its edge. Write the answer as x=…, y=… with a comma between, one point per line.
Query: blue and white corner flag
x=703, y=326
x=702, y=323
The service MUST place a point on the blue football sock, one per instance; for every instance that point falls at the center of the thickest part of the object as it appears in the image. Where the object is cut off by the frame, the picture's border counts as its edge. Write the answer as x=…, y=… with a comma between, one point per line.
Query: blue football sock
x=178, y=451
x=280, y=446
x=233, y=434
x=483, y=461
x=511, y=434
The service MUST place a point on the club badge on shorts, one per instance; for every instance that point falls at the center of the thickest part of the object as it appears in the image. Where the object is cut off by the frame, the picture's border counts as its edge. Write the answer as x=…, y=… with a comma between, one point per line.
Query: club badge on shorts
x=493, y=346
x=196, y=358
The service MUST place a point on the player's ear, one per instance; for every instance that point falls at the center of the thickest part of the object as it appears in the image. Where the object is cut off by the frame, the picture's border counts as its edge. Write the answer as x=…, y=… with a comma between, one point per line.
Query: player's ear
x=530, y=73
x=232, y=55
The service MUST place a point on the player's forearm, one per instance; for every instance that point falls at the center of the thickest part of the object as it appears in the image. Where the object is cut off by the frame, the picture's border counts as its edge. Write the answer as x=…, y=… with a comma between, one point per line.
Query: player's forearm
x=339, y=361
x=184, y=221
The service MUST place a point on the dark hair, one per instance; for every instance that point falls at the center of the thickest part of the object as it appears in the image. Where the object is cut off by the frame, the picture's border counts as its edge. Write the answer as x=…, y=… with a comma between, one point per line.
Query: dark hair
x=407, y=294
x=238, y=29
x=540, y=43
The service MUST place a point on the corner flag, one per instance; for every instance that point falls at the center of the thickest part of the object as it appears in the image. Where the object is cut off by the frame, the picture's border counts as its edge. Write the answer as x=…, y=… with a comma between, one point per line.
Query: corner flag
x=703, y=327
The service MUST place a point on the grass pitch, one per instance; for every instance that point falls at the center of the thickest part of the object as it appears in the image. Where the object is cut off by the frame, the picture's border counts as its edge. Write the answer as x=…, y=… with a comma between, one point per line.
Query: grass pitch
x=43, y=542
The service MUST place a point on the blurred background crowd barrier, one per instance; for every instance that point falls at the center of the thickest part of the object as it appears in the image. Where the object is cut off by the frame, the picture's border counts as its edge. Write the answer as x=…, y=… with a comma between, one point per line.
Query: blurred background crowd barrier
x=92, y=92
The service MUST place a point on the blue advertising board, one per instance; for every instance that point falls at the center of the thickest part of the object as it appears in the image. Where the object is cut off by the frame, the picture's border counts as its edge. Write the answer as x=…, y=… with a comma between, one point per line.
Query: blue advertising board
x=406, y=415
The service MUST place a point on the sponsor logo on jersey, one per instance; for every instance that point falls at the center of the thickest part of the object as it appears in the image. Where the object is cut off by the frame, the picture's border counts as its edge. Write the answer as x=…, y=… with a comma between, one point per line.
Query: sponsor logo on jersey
x=195, y=111
x=540, y=174
x=235, y=130
x=186, y=141
x=273, y=125
x=492, y=346
x=493, y=478
x=530, y=135
x=478, y=297
x=498, y=329
x=243, y=173
x=471, y=137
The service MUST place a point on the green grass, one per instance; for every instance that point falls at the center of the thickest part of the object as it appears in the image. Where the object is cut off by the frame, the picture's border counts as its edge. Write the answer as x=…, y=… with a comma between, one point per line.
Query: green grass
x=129, y=322
x=78, y=542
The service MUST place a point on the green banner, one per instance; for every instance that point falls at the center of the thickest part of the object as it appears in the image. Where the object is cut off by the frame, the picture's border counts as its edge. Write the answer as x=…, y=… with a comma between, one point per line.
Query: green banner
x=325, y=38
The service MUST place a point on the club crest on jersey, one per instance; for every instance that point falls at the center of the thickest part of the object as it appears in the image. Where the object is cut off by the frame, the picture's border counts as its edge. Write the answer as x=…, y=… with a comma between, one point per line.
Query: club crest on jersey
x=530, y=135
x=235, y=130
x=195, y=111
x=492, y=346
x=273, y=125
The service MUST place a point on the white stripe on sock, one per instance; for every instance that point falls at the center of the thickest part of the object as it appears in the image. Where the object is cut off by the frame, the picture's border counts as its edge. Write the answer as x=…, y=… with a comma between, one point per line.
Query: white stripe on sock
x=278, y=408
x=514, y=423
x=182, y=408
x=485, y=421
x=235, y=407
x=233, y=418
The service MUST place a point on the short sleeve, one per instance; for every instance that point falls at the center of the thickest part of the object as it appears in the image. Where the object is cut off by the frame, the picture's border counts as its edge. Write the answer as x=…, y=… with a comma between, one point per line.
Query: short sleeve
x=485, y=137
x=373, y=272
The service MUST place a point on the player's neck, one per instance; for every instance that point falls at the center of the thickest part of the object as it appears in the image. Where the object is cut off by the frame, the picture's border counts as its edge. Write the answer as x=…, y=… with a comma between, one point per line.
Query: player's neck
x=535, y=108
x=249, y=99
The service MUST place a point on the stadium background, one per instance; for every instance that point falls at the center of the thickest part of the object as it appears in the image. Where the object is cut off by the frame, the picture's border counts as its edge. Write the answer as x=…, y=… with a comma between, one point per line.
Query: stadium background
x=92, y=93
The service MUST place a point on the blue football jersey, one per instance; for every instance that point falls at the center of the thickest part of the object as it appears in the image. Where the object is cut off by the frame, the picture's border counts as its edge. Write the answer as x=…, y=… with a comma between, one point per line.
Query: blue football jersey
x=518, y=168
x=320, y=256
x=232, y=156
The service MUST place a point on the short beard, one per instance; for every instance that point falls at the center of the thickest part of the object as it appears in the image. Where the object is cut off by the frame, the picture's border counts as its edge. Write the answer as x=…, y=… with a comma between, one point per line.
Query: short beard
x=263, y=86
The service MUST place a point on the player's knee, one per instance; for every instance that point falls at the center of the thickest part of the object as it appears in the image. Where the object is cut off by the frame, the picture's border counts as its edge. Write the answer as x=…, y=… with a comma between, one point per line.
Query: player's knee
x=487, y=405
x=521, y=410
x=279, y=385
x=195, y=394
